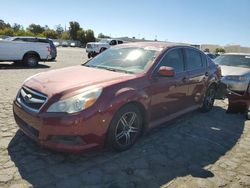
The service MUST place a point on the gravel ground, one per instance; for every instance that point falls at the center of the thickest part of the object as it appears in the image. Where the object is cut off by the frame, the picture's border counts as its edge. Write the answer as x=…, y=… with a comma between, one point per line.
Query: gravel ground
x=197, y=150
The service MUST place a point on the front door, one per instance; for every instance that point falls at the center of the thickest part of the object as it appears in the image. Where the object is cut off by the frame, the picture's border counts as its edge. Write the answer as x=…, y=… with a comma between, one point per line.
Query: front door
x=169, y=94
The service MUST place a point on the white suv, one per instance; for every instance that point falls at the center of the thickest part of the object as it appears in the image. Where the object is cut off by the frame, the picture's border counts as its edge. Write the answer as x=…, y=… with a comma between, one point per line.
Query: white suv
x=94, y=48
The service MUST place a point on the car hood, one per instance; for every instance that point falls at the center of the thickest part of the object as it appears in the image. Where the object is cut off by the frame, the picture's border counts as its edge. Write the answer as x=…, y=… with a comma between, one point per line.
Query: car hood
x=230, y=70
x=73, y=78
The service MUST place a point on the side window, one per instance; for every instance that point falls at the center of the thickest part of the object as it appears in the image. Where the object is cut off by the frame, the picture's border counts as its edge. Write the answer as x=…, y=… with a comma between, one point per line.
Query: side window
x=120, y=42
x=204, y=60
x=113, y=42
x=174, y=59
x=193, y=59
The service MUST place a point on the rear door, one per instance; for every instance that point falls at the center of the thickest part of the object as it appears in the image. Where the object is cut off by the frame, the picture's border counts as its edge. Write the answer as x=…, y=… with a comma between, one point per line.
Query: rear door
x=197, y=72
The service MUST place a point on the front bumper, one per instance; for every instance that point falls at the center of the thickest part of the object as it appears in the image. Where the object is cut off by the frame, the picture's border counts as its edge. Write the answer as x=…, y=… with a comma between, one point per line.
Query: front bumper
x=68, y=133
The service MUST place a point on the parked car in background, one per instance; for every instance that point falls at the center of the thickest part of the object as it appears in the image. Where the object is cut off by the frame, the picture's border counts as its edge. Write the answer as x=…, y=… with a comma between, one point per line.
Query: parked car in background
x=53, y=50
x=94, y=48
x=135, y=87
x=72, y=44
x=65, y=44
x=212, y=56
x=236, y=77
x=57, y=44
x=29, y=53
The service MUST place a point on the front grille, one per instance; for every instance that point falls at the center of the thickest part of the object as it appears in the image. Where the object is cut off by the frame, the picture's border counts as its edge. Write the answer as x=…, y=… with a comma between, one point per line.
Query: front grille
x=89, y=46
x=30, y=99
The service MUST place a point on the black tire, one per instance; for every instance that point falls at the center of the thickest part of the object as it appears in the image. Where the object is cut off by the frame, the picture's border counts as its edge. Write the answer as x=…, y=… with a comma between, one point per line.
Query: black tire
x=102, y=49
x=208, y=101
x=89, y=55
x=31, y=60
x=125, y=128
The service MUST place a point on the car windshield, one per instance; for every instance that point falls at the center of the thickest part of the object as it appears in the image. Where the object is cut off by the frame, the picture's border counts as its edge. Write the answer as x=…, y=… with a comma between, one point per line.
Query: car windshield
x=104, y=41
x=129, y=60
x=234, y=60
x=10, y=38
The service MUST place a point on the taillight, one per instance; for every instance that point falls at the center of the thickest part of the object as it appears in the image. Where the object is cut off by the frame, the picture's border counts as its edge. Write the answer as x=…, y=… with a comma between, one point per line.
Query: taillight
x=49, y=49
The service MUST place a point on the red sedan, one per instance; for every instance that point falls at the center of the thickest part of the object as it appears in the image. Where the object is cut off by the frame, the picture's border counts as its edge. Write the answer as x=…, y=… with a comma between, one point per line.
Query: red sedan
x=115, y=97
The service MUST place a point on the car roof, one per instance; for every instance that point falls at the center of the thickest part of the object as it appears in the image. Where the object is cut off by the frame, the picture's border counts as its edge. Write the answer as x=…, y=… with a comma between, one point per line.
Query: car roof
x=162, y=45
x=29, y=37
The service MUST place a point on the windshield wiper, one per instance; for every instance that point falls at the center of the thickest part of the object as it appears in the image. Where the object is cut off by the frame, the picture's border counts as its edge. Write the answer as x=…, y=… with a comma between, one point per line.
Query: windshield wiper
x=114, y=70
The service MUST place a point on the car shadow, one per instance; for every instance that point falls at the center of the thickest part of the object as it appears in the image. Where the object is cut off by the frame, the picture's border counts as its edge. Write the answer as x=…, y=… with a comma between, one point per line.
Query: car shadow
x=21, y=66
x=184, y=147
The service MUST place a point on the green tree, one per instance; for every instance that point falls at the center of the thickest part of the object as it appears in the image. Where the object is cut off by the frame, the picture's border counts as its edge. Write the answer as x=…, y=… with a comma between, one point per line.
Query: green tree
x=65, y=35
x=101, y=35
x=36, y=29
x=90, y=36
x=73, y=29
x=220, y=50
x=4, y=25
x=207, y=50
x=50, y=33
x=81, y=36
x=7, y=31
x=16, y=27
x=59, y=30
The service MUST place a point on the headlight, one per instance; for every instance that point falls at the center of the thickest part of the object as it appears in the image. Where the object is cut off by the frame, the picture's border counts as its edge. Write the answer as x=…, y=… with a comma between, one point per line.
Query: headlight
x=237, y=78
x=77, y=103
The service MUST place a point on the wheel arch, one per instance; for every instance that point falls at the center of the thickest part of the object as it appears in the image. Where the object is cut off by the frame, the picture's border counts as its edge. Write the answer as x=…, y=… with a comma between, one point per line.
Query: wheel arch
x=32, y=53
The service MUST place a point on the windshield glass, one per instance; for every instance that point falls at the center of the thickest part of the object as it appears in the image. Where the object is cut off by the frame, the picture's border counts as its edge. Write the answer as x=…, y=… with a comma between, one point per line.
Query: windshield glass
x=104, y=41
x=10, y=38
x=130, y=60
x=234, y=60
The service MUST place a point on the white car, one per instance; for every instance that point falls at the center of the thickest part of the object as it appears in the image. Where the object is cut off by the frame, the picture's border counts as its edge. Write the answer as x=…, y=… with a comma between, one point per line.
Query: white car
x=28, y=52
x=94, y=48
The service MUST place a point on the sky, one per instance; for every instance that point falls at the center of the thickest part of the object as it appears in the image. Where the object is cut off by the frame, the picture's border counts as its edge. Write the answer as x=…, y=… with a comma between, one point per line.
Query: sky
x=220, y=22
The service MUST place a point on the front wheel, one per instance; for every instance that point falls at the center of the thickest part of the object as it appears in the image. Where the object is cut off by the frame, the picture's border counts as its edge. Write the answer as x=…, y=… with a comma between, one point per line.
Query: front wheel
x=102, y=49
x=208, y=101
x=125, y=128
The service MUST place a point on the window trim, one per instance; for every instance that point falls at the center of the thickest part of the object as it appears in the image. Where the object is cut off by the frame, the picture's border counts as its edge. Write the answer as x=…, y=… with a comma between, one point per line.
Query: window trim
x=165, y=54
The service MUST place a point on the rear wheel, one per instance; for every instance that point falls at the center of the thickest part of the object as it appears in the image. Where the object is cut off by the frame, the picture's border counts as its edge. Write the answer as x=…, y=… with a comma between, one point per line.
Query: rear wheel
x=31, y=60
x=208, y=101
x=125, y=128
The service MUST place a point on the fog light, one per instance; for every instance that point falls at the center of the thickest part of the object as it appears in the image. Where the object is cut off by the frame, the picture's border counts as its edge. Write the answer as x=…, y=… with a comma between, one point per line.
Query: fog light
x=69, y=140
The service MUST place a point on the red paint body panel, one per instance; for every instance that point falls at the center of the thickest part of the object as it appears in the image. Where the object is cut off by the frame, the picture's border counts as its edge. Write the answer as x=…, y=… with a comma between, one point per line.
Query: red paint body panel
x=240, y=102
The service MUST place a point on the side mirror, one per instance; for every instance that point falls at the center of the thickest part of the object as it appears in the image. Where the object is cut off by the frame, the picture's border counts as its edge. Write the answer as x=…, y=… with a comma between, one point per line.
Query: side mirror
x=166, y=71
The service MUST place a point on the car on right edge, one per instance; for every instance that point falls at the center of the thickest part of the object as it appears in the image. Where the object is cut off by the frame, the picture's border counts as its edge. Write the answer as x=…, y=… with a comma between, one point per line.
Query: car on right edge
x=235, y=69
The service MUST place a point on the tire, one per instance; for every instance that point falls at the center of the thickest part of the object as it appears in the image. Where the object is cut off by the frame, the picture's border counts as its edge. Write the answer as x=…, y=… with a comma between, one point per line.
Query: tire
x=102, y=49
x=89, y=55
x=31, y=60
x=125, y=128
x=208, y=101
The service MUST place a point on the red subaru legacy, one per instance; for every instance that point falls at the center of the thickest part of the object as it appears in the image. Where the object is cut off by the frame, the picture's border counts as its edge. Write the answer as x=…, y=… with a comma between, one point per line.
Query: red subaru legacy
x=116, y=96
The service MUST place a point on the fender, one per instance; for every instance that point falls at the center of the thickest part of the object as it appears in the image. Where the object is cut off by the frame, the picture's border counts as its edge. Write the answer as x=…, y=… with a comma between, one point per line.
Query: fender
x=126, y=95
